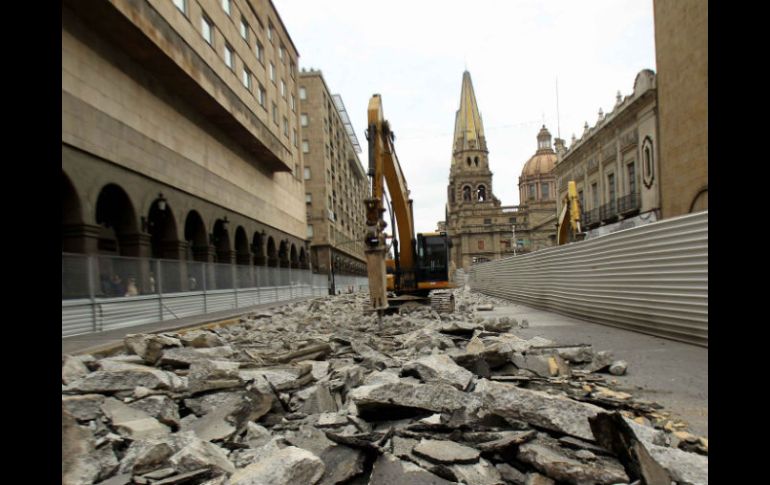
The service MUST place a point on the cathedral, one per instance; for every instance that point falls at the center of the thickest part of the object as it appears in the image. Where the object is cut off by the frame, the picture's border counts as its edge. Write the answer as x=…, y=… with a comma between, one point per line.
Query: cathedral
x=479, y=226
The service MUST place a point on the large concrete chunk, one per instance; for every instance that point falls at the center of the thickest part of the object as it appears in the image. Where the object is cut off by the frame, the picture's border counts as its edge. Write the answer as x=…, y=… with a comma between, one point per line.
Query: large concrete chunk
x=162, y=408
x=126, y=380
x=538, y=408
x=230, y=417
x=563, y=468
x=686, y=468
x=443, y=451
x=372, y=359
x=481, y=473
x=388, y=398
x=185, y=356
x=206, y=375
x=132, y=423
x=287, y=466
x=201, y=339
x=78, y=465
x=201, y=454
x=341, y=463
x=389, y=470
x=149, y=346
x=84, y=407
x=72, y=369
x=440, y=368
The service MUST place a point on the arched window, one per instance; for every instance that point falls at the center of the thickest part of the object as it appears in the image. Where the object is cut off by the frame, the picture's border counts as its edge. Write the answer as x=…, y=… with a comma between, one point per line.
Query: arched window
x=469, y=161
x=476, y=161
x=467, y=193
x=481, y=193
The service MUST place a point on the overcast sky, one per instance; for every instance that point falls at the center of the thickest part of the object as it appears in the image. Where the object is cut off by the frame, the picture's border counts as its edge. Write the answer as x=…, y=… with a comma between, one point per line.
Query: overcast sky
x=414, y=53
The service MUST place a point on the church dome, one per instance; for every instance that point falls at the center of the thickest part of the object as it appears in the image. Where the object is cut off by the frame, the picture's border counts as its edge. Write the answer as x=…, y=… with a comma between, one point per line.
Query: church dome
x=543, y=161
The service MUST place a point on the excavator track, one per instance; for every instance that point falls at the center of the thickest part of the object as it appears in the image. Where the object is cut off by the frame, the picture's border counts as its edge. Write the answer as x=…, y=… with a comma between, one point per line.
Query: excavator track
x=442, y=301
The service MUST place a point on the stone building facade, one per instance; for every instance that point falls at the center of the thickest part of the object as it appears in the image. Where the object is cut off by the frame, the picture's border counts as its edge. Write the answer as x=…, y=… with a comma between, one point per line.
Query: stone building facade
x=616, y=163
x=335, y=181
x=536, y=219
x=478, y=225
x=681, y=52
x=180, y=132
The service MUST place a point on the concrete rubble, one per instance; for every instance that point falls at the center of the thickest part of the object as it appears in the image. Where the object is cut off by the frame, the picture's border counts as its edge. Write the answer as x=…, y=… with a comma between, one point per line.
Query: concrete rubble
x=319, y=393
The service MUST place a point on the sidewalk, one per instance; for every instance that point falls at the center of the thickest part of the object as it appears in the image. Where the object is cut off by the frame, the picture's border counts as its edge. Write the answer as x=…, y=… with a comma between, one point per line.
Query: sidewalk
x=104, y=341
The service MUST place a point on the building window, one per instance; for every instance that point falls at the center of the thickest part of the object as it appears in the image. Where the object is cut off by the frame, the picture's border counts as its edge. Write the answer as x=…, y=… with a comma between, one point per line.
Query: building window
x=275, y=113
x=272, y=72
x=611, y=188
x=226, y=6
x=580, y=199
x=305, y=147
x=481, y=244
x=294, y=140
x=594, y=196
x=488, y=221
x=181, y=5
x=293, y=103
x=309, y=231
x=648, y=165
x=303, y=119
x=246, y=79
x=292, y=68
x=270, y=31
x=302, y=93
x=244, y=29
x=260, y=52
x=282, y=54
x=308, y=198
x=631, y=178
x=285, y=127
x=531, y=191
x=262, y=96
x=307, y=173
x=544, y=191
x=207, y=29
x=283, y=89
x=512, y=220
x=229, y=57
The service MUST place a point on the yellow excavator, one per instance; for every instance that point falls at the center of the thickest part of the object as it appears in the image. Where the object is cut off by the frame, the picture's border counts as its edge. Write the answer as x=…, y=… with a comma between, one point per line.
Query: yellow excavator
x=569, y=219
x=419, y=269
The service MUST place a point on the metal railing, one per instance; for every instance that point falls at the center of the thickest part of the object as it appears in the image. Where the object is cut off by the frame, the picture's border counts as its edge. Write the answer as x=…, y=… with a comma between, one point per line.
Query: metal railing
x=651, y=279
x=591, y=217
x=106, y=292
x=629, y=203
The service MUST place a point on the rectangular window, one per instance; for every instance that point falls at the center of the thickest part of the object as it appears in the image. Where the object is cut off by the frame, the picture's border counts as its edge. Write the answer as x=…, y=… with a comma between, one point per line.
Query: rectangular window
x=226, y=6
x=229, y=56
x=303, y=119
x=307, y=173
x=207, y=29
x=305, y=147
x=260, y=52
x=292, y=68
x=282, y=54
x=244, y=29
x=487, y=221
x=631, y=178
x=270, y=31
x=293, y=103
x=309, y=231
x=531, y=191
x=272, y=72
x=594, y=196
x=481, y=244
x=283, y=89
x=611, y=188
x=246, y=78
x=544, y=191
x=285, y=127
x=294, y=139
x=580, y=200
x=262, y=96
x=512, y=220
x=181, y=5
x=302, y=93
x=308, y=198
x=275, y=113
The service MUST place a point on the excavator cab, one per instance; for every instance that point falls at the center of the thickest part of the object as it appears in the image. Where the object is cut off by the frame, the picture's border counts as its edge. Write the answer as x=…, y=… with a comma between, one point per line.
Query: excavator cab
x=432, y=263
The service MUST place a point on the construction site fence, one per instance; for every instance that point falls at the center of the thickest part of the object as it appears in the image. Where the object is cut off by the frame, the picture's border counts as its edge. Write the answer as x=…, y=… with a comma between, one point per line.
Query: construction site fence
x=102, y=293
x=651, y=279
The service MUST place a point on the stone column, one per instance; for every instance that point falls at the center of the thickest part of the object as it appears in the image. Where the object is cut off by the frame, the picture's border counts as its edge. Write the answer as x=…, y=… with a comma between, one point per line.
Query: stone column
x=80, y=238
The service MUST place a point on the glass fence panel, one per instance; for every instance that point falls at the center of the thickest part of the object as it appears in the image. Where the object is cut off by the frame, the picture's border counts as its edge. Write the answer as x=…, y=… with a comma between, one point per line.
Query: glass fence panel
x=121, y=276
x=74, y=276
x=245, y=276
x=196, y=275
x=222, y=276
x=173, y=276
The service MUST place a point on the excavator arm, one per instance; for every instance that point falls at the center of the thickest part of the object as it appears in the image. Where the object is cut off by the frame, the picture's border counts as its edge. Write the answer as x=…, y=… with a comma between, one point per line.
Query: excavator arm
x=569, y=219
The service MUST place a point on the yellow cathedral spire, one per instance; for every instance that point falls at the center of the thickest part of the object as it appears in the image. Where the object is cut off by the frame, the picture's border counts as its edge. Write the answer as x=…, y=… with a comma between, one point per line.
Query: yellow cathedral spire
x=469, y=130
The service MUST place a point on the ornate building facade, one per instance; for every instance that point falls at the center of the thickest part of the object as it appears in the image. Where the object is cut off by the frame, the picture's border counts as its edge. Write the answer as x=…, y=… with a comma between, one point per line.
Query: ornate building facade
x=615, y=164
x=478, y=225
x=536, y=224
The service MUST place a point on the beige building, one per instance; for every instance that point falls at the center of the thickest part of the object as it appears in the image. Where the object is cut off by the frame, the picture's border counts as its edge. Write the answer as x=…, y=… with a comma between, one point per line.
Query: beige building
x=478, y=226
x=681, y=51
x=616, y=163
x=180, y=132
x=536, y=220
x=335, y=181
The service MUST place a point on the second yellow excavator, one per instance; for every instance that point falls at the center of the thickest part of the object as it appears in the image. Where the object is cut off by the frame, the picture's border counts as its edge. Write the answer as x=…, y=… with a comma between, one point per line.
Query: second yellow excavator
x=419, y=269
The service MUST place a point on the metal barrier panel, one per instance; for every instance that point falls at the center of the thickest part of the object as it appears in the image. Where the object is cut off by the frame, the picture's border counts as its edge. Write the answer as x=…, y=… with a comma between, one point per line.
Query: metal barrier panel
x=74, y=276
x=219, y=300
x=112, y=313
x=76, y=317
x=651, y=279
x=181, y=305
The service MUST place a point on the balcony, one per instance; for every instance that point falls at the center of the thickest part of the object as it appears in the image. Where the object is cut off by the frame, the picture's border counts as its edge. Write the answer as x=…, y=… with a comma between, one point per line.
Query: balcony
x=608, y=212
x=629, y=204
x=591, y=218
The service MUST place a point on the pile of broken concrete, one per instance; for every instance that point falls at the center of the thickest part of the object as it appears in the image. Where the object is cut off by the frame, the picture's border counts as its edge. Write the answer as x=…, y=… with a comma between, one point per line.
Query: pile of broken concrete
x=320, y=392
